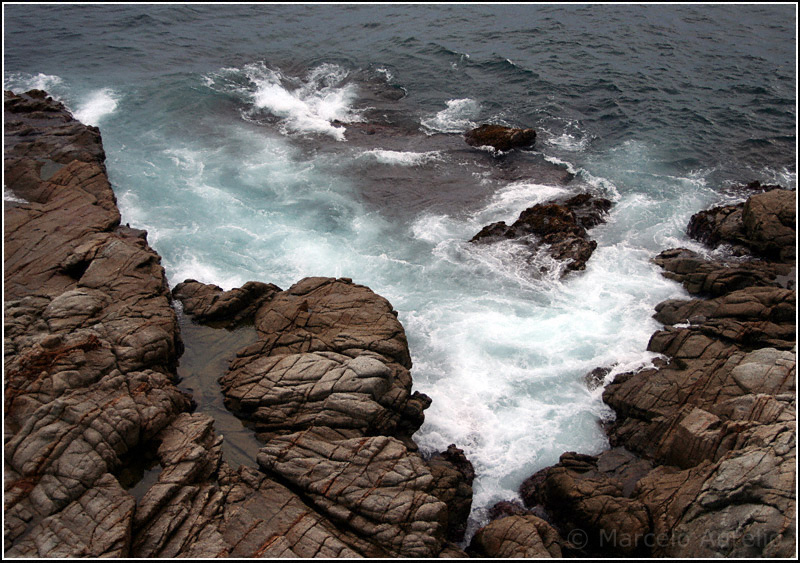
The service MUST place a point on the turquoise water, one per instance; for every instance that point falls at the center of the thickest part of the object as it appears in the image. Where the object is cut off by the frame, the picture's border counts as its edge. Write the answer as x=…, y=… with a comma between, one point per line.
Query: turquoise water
x=235, y=136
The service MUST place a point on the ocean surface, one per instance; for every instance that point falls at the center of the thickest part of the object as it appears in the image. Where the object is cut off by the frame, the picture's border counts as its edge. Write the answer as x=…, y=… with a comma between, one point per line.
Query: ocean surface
x=274, y=142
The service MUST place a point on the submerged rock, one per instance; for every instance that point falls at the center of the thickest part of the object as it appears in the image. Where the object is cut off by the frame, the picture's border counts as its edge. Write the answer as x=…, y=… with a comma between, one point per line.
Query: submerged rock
x=500, y=138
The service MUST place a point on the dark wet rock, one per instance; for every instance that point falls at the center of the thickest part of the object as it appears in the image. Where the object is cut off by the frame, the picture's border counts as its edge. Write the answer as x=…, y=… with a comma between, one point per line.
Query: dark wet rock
x=517, y=536
x=41, y=135
x=557, y=227
x=763, y=225
x=507, y=508
x=453, y=475
x=710, y=278
x=589, y=210
x=208, y=303
x=596, y=377
x=499, y=137
x=582, y=498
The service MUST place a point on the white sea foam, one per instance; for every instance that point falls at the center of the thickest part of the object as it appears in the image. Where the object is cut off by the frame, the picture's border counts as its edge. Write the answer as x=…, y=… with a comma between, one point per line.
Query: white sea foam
x=507, y=203
x=455, y=118
x=568, y=142
x=305, y=105
x=21, y=82
x=8, y=195
x=403, y=158
x=96, y=106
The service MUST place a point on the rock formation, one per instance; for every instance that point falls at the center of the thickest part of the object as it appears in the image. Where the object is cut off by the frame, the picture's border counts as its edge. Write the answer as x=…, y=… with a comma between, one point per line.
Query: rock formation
x=91, y=349
x=704, y=452
x=558, y=228
x=500, y=138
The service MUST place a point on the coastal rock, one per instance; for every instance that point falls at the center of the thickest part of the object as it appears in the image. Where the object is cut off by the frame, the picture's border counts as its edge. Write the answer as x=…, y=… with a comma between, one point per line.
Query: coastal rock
x=557, y=227
x=709, y=278
x=327, y=387
x=178, y=514
x=374, y=484
x=262, y=518
x=330, y=353
x=91, y=340
x=769, y=221
x=589, y=506
x=96, y=524
x=102, y=457
x=209, y=303
x=500, y=138
x=453, y=475
x=764, y=225
x=516, y=536
x=705, y=440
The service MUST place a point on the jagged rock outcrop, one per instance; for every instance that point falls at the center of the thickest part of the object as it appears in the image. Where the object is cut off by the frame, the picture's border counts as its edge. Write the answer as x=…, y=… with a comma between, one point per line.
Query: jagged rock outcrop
x=91, y=349
x=764, y=225
x=91, y=340
x=453, y=475
x=706, y=439
x=559, y=228
x=710, y=278
x=499, y=137
x=327, y=388
x=330, y=353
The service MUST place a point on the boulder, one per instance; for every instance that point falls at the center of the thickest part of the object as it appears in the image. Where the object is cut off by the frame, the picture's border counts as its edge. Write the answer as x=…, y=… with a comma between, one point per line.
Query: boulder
x=373, y=484
x=331, y=353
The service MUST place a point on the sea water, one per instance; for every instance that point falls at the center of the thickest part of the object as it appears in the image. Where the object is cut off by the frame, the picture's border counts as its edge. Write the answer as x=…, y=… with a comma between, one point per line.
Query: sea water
x=236, y=135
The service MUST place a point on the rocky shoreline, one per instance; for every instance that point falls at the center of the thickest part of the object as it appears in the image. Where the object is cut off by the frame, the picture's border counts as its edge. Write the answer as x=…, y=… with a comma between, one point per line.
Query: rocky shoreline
x=106, y=456
x=92, y=343
x=703, y=458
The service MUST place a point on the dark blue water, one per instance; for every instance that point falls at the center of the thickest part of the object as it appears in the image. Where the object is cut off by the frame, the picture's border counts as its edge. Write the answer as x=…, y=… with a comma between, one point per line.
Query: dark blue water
x=236, y=135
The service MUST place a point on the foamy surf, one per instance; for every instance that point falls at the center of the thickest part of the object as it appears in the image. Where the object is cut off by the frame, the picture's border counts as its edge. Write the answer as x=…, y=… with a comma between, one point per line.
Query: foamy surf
x=96, y=106
x=457, y=117
x=303, y=105
x=402, y=158
x=22, y=82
